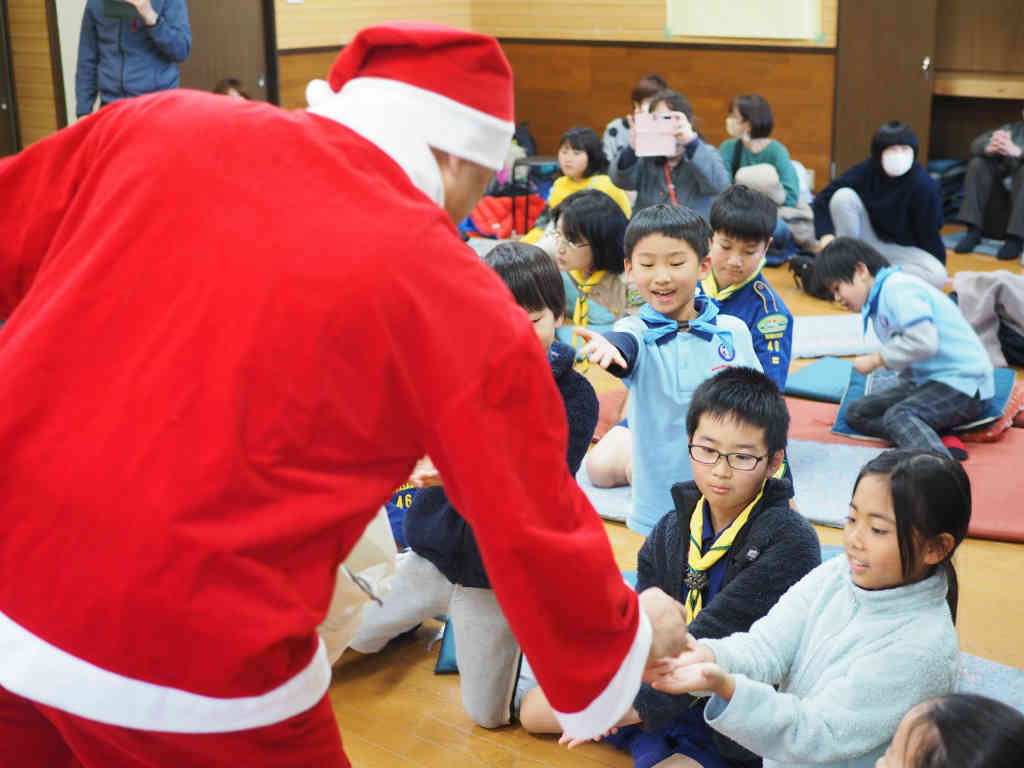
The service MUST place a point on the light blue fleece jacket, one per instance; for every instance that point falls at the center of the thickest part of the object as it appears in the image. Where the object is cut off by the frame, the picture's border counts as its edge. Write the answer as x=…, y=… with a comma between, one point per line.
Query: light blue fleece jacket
x=849, y=663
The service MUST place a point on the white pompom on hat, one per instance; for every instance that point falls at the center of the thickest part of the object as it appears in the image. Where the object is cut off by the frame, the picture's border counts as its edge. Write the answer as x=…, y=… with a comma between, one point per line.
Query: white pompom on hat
x=451, y=87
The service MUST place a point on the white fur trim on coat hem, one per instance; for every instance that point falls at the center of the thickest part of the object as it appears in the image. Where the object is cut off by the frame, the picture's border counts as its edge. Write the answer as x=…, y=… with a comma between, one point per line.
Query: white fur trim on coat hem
x=34, y=669
x=616, y=699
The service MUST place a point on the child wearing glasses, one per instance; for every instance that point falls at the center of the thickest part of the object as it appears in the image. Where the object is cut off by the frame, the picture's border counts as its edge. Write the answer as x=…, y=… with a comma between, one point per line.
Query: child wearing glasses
x=589, y=230
x=676, y=341
x=752, y=548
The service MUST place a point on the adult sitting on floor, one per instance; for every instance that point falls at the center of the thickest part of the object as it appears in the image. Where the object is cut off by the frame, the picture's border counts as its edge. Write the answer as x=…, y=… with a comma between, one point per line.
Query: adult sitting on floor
x=995, y=155
x=891, y=203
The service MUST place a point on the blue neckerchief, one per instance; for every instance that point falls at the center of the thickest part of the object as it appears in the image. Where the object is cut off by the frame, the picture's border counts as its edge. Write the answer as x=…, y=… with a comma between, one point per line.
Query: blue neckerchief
x=871, y=305
x=703, y=326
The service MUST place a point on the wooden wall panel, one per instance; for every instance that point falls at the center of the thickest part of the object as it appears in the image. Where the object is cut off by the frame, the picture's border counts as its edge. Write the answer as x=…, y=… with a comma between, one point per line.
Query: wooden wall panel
x=316, y=23
x=295, y=70
x=980, y=36
x=955, y=122
x=611, y=20
x=33, y=70
x=563, y=84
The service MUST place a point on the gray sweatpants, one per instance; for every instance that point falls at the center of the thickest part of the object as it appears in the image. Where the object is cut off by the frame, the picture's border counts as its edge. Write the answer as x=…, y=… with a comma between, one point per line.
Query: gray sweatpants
x=850, y=218
x=485, y=648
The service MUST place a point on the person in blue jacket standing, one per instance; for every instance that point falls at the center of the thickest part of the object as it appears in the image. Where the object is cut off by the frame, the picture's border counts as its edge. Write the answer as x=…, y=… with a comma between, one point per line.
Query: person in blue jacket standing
x=128, y=48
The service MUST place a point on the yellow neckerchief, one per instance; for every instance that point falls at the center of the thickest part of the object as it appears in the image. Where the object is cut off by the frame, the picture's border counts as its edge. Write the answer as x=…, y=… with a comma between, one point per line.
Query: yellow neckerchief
x=710, y=285
x=698, y=563
x=584, y=285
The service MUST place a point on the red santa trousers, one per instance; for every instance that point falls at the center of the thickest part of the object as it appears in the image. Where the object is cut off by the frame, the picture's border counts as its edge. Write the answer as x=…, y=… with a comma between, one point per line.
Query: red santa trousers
x=37, y=735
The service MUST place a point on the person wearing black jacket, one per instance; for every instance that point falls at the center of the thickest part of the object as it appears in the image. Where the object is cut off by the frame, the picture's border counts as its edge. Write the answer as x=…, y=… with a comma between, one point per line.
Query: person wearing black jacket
x=737, y=425
x=443, y=571
x=890, y=202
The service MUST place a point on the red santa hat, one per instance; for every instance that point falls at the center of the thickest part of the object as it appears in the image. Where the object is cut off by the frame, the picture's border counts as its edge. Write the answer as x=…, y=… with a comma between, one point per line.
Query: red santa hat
x=451, y=87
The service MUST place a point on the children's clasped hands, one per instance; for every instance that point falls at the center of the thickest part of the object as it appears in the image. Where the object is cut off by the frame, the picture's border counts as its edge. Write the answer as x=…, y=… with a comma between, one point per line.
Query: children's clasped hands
x=694, y=671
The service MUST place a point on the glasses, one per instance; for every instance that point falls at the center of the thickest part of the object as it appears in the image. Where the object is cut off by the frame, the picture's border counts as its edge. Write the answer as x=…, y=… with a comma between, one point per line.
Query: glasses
x=561, y=238
x=744, y=462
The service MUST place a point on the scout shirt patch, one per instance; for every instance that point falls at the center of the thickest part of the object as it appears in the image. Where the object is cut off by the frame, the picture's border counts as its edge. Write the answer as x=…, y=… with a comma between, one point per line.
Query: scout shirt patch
x=775, y=323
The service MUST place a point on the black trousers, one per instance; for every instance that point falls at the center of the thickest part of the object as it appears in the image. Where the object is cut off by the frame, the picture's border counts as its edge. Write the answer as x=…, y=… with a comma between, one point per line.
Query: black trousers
x=985, y=198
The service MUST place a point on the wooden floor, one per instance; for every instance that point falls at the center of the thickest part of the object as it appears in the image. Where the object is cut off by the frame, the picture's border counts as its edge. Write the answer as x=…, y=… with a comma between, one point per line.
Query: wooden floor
x=394, y=711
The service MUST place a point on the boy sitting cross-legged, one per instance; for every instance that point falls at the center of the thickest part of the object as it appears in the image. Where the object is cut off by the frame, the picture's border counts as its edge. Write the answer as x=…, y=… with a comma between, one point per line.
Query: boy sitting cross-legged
x=663, y=353
x=946, y=378
x=728, y=550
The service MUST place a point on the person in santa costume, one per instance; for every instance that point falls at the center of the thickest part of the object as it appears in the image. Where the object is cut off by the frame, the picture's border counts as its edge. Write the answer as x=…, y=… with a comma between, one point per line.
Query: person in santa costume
x=231, y=331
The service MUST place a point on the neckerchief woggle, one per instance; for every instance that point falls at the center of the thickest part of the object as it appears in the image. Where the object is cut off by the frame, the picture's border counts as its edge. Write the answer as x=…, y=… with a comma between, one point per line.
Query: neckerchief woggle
x=703, y=326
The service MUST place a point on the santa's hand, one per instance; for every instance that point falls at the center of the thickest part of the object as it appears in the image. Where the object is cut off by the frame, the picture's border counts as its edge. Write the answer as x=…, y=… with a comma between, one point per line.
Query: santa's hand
x=668, y=624
x=572, y=743
x=598, y=349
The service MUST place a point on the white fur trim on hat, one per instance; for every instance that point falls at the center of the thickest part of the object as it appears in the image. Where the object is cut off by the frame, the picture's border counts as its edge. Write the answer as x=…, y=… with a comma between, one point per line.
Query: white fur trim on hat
x=443, y=123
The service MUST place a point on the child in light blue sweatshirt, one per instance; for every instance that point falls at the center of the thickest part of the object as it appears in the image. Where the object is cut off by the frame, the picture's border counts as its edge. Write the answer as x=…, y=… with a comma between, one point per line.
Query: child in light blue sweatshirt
x=857, y=642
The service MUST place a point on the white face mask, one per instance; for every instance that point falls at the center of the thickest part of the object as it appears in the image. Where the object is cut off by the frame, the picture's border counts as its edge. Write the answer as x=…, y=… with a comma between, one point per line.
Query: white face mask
x=734, y=127
x=896, y=161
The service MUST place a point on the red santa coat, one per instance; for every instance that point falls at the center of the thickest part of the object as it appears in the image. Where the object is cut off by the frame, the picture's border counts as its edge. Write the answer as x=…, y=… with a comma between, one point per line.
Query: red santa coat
x=231, y=332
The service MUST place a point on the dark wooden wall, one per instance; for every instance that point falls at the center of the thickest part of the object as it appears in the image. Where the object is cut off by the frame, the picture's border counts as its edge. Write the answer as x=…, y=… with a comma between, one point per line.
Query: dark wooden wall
x=563, y=84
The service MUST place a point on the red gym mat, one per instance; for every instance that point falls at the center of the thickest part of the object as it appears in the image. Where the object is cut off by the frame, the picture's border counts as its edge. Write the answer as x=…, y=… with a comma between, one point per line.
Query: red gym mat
x=994, y=468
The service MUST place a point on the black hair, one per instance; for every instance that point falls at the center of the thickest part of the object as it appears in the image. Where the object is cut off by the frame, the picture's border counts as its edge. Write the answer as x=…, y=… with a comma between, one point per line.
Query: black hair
x=756, y=111
x=675, y=221
x=583, y=139
x=646, y=87
x=745, y=395
x=965, y=730
x=530, y=274
x=592, y=216
x=931, y=495
x=744, y=213
x=229, y=84
x=675, y=101
x=838, y=261
x=891, y=134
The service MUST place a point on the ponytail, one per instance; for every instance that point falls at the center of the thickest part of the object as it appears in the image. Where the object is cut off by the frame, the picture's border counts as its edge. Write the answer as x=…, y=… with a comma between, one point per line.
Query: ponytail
x=953, y=588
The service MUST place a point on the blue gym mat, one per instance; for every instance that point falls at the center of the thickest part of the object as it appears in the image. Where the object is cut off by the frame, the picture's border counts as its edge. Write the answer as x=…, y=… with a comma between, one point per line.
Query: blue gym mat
x=825, y=379
x=861, y=385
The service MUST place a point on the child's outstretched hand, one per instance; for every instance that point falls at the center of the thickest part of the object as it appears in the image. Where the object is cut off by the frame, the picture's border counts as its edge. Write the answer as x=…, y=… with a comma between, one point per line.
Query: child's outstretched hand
x=598, y=349
x=694, y=678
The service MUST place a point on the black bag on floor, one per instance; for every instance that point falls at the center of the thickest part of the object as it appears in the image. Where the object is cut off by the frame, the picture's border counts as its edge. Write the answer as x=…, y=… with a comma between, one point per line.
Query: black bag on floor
x=802, y=267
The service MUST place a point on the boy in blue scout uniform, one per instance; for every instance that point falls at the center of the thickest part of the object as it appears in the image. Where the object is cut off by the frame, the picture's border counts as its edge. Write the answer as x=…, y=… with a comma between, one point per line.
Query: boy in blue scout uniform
x=946, y=378
x=743, y=221
x=678, y=340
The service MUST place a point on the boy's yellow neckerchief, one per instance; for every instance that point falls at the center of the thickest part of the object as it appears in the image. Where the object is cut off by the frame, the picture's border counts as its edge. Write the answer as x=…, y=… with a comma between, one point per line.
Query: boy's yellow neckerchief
x=710, y=285
x=697, y=565
x=584, y=285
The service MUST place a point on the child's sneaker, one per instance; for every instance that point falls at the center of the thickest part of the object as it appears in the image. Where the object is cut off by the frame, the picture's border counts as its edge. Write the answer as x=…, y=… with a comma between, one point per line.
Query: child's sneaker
x=956, y=447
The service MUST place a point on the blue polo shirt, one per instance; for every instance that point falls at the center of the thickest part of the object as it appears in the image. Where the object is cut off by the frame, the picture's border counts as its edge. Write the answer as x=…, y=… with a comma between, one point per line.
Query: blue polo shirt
x=898, y=301
x=662, y=376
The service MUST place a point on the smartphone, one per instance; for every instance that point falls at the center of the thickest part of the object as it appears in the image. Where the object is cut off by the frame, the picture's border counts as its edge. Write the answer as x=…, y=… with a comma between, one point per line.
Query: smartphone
x=119, y=9
x=655, y=135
